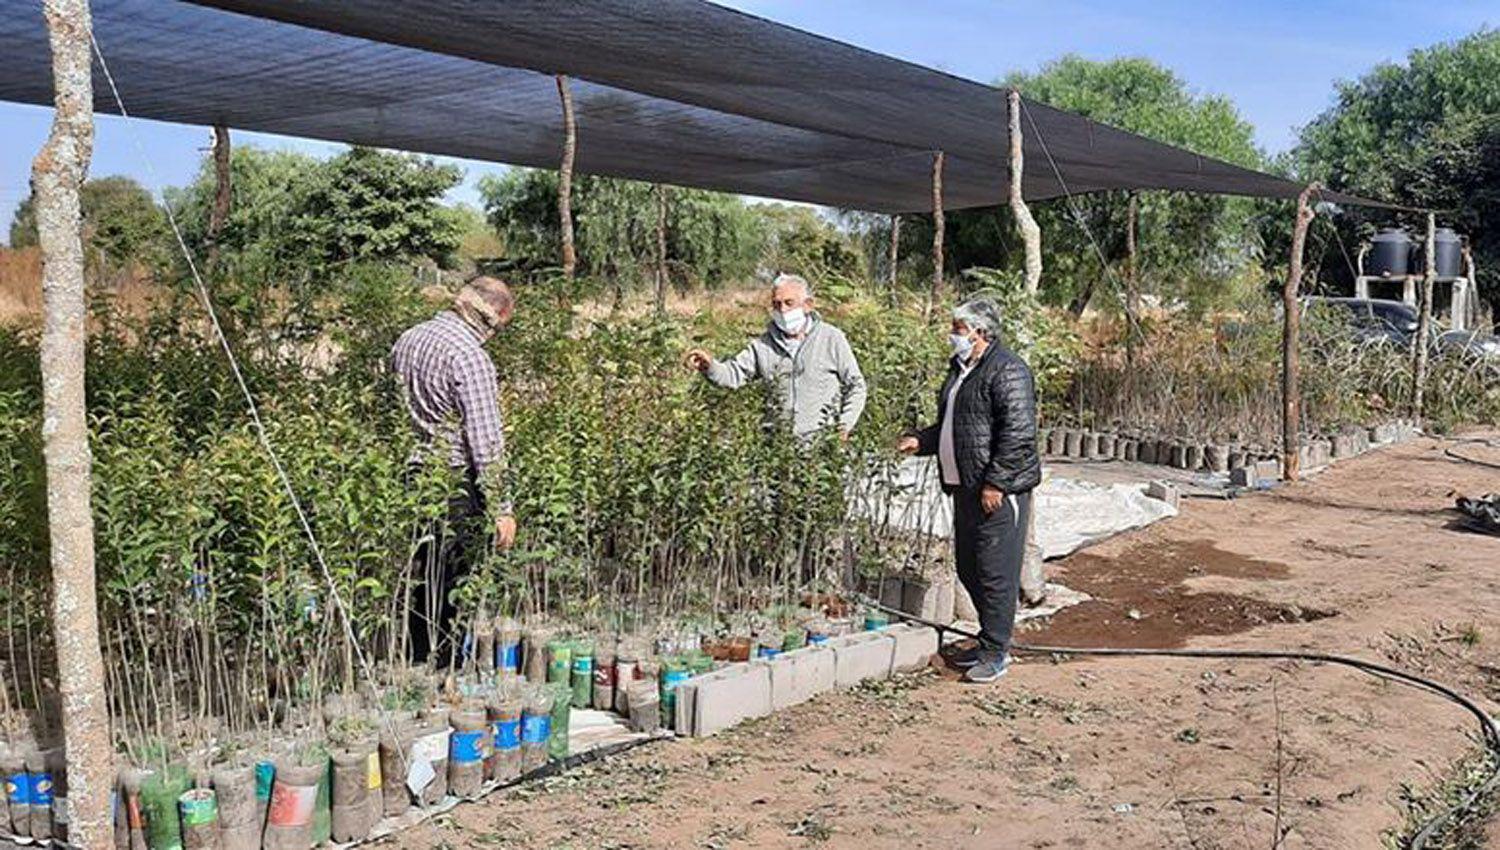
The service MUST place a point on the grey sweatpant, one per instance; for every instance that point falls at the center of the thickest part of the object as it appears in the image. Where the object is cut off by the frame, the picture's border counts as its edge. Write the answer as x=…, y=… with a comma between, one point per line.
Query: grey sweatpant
x=989, y=551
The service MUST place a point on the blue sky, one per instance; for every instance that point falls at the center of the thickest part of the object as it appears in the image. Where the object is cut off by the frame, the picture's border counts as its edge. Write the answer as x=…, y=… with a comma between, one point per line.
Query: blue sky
x=1277, y=59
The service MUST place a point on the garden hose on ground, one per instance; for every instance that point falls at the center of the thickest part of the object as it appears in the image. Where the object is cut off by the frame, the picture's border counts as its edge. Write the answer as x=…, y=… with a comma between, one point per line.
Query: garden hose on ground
x=1488, y=727
x=1452, y=451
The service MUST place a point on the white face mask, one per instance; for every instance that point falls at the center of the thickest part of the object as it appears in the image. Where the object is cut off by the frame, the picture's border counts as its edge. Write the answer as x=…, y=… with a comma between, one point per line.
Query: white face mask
x=962, y=345
x=790, y=321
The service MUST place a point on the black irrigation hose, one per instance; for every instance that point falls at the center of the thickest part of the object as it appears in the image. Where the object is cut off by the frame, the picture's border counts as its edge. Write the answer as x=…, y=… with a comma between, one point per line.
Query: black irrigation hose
x=1453, y=452
x=1487, y=724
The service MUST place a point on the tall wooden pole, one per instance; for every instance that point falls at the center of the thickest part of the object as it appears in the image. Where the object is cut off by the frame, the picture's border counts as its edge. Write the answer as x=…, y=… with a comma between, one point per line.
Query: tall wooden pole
x=220, y=213
x=57, y=173
x=565, y=178
x=1031, y=234
x=937, y=232
x=1424, y=324
x=661, y=248
x=1132, y=286
x=1291, y=391
x=895, y=254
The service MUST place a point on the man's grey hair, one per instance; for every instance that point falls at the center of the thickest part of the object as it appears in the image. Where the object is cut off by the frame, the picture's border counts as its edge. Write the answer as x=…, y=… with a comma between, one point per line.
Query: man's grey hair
x=980, y=314
x=785, y=278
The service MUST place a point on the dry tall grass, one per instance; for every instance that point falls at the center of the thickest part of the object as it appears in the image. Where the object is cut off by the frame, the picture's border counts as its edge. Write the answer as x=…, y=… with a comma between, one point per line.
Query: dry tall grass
x=20, y=285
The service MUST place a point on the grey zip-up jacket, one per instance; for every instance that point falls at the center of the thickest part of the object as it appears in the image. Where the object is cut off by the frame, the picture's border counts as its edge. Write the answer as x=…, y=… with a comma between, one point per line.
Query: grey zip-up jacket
x=821, y=384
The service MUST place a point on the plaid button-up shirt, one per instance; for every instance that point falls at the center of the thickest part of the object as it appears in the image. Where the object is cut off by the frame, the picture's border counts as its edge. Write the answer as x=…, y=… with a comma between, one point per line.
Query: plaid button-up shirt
x=450, y=387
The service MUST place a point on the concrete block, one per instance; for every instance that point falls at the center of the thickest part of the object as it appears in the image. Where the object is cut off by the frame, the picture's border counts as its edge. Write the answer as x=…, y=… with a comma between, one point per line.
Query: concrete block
x=1322, y=452
x=727, y=697
x=1236, y=459
x=1267, y=470
x=1042, y=434
x=1243, y=476
x=1132, y=450
x=929, y=600
x=1344, y=445
x=860, y=656
x=963, y=605
x=892, y=592
x=1073, y=443
x=1107, y=443
x=798, y=676
x=915, y=646
x=1164, y=491
x=1216, y=457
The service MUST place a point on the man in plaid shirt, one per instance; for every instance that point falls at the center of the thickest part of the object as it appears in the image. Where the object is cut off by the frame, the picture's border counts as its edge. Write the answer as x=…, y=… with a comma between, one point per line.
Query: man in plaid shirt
x=449, y=383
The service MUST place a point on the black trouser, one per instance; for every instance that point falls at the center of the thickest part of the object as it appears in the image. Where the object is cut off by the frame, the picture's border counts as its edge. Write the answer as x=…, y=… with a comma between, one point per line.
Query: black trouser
x=989, y=550
x=448, y=556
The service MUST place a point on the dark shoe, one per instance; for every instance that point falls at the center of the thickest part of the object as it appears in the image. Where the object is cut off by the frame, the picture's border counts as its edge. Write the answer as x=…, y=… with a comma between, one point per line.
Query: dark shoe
x=990, y=667
x=961, y=658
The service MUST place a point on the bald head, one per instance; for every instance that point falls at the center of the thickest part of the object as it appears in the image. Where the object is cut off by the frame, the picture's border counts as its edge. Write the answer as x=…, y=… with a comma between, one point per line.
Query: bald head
x=485, y=303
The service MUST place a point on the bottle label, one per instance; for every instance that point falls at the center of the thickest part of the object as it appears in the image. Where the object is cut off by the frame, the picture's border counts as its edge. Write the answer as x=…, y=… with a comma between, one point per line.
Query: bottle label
x=18, y=788
x=468, y=747
x=536, y=728
x=41, y=789
x=507, y=734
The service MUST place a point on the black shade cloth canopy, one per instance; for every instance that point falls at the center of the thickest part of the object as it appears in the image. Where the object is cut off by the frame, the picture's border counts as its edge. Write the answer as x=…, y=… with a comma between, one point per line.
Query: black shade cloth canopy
x=672, y=91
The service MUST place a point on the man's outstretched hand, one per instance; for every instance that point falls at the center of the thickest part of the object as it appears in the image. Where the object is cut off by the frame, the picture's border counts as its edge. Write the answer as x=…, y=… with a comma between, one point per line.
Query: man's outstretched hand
x=699, y=359
x=907, y=445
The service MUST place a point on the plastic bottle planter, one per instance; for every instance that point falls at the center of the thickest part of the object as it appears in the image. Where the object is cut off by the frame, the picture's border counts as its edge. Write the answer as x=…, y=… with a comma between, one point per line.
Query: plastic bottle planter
x=199, y=809
x=470, y=745
x=582, y=679
x=294, y=800
x=793, y=639
x=395, y=765
x=625, y=672
x=644, y=700
x=17, y=792
x=508, y=647
x=322, y=825
x=39, y=796
x=159, y=795
x=354, y=784
x=604, y=680
x=265, y=779
x=534, y=654
x=235, y=792
x=673, y=673
x=559, y=662
x=131, y=781
x=562, y=707
x=505, y=721
x=536, y=728
x=429, y=770
x=876, y=620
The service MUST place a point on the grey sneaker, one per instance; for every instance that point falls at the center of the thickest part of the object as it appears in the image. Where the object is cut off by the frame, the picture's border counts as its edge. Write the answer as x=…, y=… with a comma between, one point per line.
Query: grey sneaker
x=961, y=658
x=989, y=667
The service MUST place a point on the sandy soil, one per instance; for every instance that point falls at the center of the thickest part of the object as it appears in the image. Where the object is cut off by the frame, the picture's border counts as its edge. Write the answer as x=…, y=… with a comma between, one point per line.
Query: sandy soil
x=1360, y=560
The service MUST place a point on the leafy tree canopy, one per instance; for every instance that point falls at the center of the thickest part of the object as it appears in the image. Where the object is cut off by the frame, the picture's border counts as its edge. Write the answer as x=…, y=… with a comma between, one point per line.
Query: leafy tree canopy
x=120, y=220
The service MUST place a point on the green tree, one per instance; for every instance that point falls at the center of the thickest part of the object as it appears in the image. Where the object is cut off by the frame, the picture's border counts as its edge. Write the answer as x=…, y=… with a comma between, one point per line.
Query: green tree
x=120, y=220
x=1423, y=134
x=712, y=237
x=296, y=218
x=1183, y=239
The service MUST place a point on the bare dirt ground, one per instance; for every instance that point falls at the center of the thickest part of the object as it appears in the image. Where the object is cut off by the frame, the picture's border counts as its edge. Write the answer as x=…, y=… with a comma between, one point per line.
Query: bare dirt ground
x=1114, y=753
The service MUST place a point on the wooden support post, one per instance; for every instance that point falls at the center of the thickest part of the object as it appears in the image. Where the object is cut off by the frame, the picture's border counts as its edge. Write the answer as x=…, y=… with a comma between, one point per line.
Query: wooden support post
x=220, y=213
x=565, y=178
x=57, y=173
x=1424, y=324
x=937, y=232
x=894, y=253
x=661, y=248
x=1031, y=234
x=1291, y=391
x=1132, y=288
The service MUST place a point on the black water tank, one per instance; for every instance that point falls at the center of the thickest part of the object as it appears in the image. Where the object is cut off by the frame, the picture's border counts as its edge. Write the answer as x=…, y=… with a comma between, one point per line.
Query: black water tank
x=1449, y=252
x=1390, y=253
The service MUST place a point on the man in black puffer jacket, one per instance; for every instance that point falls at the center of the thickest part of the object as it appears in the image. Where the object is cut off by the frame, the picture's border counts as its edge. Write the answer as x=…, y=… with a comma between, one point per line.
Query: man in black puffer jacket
x=985, y=442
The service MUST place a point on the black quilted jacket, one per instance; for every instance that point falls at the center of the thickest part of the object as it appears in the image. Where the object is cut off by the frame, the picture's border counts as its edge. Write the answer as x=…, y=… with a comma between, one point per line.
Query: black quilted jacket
x=994, y=429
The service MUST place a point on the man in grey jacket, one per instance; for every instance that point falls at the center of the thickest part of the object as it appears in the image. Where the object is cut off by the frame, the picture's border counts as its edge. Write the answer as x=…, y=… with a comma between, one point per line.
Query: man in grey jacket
x=807, y=361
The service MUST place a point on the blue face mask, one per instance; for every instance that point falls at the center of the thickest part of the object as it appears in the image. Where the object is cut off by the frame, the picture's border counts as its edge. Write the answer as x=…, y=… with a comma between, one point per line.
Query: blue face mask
x=962, y=345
